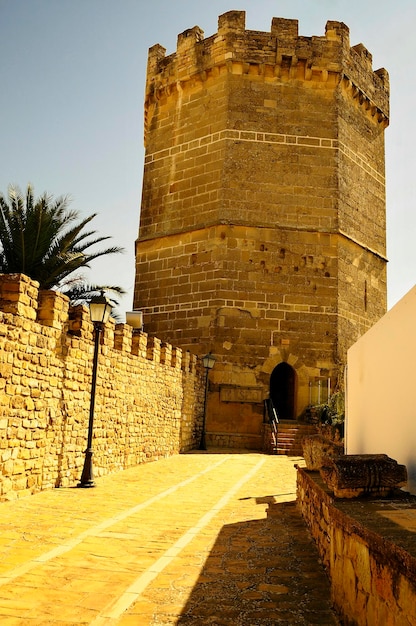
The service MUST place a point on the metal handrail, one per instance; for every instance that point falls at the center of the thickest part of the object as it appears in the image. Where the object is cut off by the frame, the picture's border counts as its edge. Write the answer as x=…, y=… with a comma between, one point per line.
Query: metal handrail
x=271, y=411
x=273, y=419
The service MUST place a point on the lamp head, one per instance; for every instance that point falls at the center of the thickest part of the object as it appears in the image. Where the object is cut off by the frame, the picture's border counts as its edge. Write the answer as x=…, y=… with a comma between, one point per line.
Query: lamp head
x=100, y=309
x=208, y=361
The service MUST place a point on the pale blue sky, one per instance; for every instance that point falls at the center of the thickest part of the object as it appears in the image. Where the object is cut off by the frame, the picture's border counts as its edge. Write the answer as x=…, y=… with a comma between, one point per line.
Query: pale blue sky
x=72, y=76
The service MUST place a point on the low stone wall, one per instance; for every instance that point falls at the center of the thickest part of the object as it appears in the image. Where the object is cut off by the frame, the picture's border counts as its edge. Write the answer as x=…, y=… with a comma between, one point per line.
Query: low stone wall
x=149, y=396
x=237, y=441
x=370, y=560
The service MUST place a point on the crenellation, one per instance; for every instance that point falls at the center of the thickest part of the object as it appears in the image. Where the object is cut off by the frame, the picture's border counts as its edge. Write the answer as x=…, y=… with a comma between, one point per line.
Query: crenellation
x=285, y=30
x=139, y=343
x=18, y=295
x=153, y=349
x=156, y=55
x=79, y=322
x=187, y=40
x=123, y=337
x=176, y=361
x=166, y=353
x=107, y=336
x=53, y=309
x=232, y=22
x=280, y=53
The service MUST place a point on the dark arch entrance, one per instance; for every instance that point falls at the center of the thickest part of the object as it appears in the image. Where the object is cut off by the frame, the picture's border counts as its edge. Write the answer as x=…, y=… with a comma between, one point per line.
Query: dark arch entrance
x=282, y=390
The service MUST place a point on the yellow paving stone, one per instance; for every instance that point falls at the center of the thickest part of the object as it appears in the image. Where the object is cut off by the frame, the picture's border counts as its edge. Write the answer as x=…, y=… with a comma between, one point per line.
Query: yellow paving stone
x=185, y=540
x=140, y=619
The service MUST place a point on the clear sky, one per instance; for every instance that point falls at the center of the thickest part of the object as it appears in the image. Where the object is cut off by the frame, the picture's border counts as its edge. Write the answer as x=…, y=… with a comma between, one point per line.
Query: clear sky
x=72, y=76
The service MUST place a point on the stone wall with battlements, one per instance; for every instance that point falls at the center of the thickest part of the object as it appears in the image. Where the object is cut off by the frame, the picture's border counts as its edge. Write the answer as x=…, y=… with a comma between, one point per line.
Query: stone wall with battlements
x=149, y=395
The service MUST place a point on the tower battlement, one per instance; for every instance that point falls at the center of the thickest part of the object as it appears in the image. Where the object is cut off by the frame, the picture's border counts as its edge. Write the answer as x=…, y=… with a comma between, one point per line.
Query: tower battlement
x=281, y=54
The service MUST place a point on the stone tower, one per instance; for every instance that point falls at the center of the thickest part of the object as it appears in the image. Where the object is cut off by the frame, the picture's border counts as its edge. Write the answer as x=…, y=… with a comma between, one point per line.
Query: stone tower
x=262, y=227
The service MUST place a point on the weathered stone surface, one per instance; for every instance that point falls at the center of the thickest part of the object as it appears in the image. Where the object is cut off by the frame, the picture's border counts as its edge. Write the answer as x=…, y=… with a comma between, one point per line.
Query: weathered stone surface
x=149, y=402
x=317, y=451
x=354, y=475
x=262, y=224
x=369, y=555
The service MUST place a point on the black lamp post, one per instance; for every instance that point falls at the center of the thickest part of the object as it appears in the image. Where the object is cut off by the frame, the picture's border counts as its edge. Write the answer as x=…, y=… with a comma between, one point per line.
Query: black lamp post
x=208, y=362
x=100, y=309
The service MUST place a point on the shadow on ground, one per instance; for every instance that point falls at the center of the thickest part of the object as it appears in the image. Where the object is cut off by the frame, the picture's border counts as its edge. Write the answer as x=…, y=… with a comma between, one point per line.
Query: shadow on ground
x=262, y=572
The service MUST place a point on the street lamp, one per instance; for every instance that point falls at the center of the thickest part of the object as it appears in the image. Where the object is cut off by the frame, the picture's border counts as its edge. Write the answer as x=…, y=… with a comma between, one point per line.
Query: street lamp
x=100, y=309
x=208, y=362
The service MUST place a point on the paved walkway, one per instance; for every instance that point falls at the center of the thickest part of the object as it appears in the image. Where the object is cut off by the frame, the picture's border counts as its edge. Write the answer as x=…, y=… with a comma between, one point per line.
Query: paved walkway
x=183, y=541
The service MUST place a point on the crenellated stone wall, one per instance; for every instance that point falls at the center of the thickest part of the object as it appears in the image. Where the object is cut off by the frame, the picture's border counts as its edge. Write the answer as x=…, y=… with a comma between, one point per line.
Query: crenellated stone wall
x=149, y=396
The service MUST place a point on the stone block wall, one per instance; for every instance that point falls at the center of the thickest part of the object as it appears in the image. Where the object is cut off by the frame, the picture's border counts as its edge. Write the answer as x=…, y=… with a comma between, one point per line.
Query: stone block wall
x=149, y=396
x=262, y=223
x=372, y=577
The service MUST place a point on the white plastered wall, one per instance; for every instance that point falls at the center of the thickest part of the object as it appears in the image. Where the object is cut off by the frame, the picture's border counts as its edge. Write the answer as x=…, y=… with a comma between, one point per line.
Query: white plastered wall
x=381, y=388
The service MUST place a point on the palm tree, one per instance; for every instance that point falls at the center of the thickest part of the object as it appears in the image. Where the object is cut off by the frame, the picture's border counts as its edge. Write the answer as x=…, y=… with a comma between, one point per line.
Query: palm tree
x=43, y=239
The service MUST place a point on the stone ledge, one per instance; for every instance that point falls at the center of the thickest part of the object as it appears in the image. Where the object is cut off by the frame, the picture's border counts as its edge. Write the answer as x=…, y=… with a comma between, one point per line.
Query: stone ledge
x=368, y=547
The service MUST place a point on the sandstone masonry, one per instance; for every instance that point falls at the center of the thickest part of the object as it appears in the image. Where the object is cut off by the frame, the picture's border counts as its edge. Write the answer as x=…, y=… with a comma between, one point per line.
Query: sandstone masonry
x=368, y=550
x=149, y=397
x=262, y=228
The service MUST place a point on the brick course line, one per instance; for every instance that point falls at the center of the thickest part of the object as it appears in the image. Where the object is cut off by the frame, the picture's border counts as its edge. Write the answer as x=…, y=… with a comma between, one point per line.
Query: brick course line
x=114, y=611
x=68, y=545
x=325, y=143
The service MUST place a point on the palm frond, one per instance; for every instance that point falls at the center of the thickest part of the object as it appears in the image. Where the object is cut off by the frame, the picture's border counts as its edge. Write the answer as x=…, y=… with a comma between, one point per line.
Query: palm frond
x=44, y=239
x=80, y=292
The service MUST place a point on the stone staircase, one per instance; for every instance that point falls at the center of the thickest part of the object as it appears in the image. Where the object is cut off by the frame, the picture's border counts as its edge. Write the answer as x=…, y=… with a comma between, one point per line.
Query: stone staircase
x=290, y=435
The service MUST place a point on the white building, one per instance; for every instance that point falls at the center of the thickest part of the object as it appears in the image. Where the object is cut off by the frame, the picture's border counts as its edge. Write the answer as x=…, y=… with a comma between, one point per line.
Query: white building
x=381, y=388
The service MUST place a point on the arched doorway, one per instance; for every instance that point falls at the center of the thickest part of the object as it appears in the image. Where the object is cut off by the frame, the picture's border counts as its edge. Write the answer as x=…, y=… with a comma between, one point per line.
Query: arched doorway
x=282, y=390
